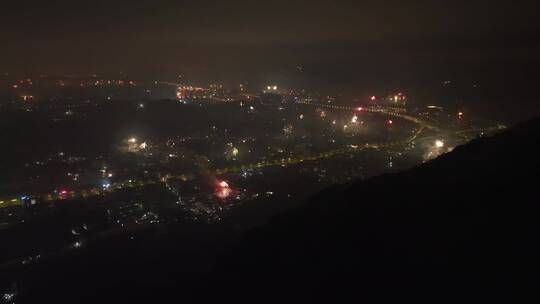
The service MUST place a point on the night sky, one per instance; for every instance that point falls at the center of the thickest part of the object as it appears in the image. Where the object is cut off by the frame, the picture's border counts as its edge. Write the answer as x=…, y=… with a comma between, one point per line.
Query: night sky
x=333, y=42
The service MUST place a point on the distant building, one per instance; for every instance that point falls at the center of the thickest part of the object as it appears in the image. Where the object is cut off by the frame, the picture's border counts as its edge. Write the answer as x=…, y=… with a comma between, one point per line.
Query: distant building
x=188, y=94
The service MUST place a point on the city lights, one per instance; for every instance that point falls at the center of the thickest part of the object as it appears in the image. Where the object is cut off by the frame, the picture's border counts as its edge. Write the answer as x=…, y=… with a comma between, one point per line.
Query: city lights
x=268, y=151
x=299, y=128
x=272, y=88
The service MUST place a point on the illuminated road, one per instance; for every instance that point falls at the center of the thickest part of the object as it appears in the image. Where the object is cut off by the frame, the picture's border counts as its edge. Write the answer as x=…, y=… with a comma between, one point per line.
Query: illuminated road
x=283, y=162
x=386, y=111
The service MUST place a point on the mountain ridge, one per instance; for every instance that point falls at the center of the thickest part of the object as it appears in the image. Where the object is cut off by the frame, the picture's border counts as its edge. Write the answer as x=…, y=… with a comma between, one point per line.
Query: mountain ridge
x=465, y=220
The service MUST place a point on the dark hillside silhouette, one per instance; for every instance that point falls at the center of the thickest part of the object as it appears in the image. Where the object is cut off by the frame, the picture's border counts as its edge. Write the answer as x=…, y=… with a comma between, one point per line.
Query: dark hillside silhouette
x=463, y=227
x=464, y=224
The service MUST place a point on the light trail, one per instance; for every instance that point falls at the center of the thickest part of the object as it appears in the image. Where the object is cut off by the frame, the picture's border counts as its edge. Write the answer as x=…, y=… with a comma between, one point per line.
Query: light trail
x=389, y=112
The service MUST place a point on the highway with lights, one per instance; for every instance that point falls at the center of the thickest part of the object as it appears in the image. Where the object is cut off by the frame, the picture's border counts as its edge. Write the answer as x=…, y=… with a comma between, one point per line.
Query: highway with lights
x=279, y=162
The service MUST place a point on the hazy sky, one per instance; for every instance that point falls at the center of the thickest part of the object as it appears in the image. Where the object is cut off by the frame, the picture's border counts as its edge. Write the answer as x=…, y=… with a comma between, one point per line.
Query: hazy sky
x=237, y=38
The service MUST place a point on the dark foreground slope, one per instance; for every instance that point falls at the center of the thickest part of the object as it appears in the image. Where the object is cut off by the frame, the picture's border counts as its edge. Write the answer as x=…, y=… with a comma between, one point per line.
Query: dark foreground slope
x=462, y=227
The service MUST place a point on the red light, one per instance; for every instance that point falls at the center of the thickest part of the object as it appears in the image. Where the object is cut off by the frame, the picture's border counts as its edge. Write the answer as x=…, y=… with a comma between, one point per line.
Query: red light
x=222, y=190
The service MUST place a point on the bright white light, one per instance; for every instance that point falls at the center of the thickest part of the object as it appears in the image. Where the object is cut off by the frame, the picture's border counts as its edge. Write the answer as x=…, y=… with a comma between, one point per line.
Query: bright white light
x=8, y=297
x=439, y=143
x=235, y=151
x=275, y=88
x=354, y=119
x=132, y=140
x=223, y=184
